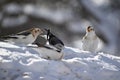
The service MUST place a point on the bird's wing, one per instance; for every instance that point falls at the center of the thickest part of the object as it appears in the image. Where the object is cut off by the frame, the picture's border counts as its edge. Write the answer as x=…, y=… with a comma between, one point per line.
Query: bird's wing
x=55, y=40
x=52, y=40
x=24, y=33
x=15, y=36
x=84, y=38
x=9, y=37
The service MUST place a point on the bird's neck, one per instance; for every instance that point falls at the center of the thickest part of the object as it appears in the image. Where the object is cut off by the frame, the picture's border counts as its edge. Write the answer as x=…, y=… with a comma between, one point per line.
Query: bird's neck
x=90, y=34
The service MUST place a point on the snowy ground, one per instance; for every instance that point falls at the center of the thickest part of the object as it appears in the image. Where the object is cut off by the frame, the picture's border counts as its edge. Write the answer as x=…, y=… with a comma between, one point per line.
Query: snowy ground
x=22, y=63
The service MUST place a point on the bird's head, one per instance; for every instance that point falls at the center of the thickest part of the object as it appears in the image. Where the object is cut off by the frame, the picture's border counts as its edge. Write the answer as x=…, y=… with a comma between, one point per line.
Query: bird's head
x=47, y=30
x=89, y=29
x=36, y=31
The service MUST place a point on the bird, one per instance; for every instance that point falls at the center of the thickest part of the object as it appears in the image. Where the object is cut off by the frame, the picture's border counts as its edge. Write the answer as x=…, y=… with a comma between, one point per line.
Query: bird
x=54, y=41
x=90, y=41
x=24, y=37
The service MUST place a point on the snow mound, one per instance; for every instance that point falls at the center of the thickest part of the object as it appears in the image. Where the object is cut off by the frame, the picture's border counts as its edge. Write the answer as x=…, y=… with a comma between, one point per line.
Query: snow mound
x=22, y=63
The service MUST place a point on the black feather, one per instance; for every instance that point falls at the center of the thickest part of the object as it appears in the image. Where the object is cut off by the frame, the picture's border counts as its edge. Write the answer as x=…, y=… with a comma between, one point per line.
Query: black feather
x=53, y=40
x=8, y=37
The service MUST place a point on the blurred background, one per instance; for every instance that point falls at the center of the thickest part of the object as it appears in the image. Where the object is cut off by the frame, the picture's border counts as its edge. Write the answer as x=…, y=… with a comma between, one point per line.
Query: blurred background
x=67, y=19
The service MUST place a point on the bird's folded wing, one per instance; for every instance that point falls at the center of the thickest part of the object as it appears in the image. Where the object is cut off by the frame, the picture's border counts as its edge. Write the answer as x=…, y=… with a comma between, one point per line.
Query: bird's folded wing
x=24, y=33
x=9, y=37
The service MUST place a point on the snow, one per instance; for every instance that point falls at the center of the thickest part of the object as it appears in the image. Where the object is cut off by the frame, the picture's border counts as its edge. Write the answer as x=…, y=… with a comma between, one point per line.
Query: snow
x=26, y=63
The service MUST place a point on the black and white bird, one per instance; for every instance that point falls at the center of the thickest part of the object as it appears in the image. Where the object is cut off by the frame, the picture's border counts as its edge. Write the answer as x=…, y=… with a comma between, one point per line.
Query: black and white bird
x=54, y=41
x=90, y=41
x=24, y=37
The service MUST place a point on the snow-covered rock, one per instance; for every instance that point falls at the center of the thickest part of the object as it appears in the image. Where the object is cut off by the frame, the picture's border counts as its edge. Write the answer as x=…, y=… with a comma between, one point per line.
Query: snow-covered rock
x=24, y=63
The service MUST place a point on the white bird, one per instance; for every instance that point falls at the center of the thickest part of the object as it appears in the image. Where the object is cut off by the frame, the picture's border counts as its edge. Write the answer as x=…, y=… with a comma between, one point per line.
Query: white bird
x=24, y=37
x=90, y=40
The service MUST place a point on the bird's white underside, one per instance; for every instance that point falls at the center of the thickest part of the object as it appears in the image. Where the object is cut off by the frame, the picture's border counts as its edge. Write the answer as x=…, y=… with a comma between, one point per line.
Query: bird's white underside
x=90, y=42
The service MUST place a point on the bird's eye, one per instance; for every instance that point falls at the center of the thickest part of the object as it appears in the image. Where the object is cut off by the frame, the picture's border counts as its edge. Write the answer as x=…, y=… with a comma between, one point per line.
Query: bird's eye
x=38, y=30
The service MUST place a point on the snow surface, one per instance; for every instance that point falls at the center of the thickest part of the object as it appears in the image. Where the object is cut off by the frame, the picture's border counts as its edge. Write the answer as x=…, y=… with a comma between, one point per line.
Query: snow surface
x=25, y=63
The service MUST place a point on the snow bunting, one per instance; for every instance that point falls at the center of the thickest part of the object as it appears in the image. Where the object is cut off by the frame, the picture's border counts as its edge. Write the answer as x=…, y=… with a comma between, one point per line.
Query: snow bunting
x=24, y=37
x=90, y=40
x=54, y=41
